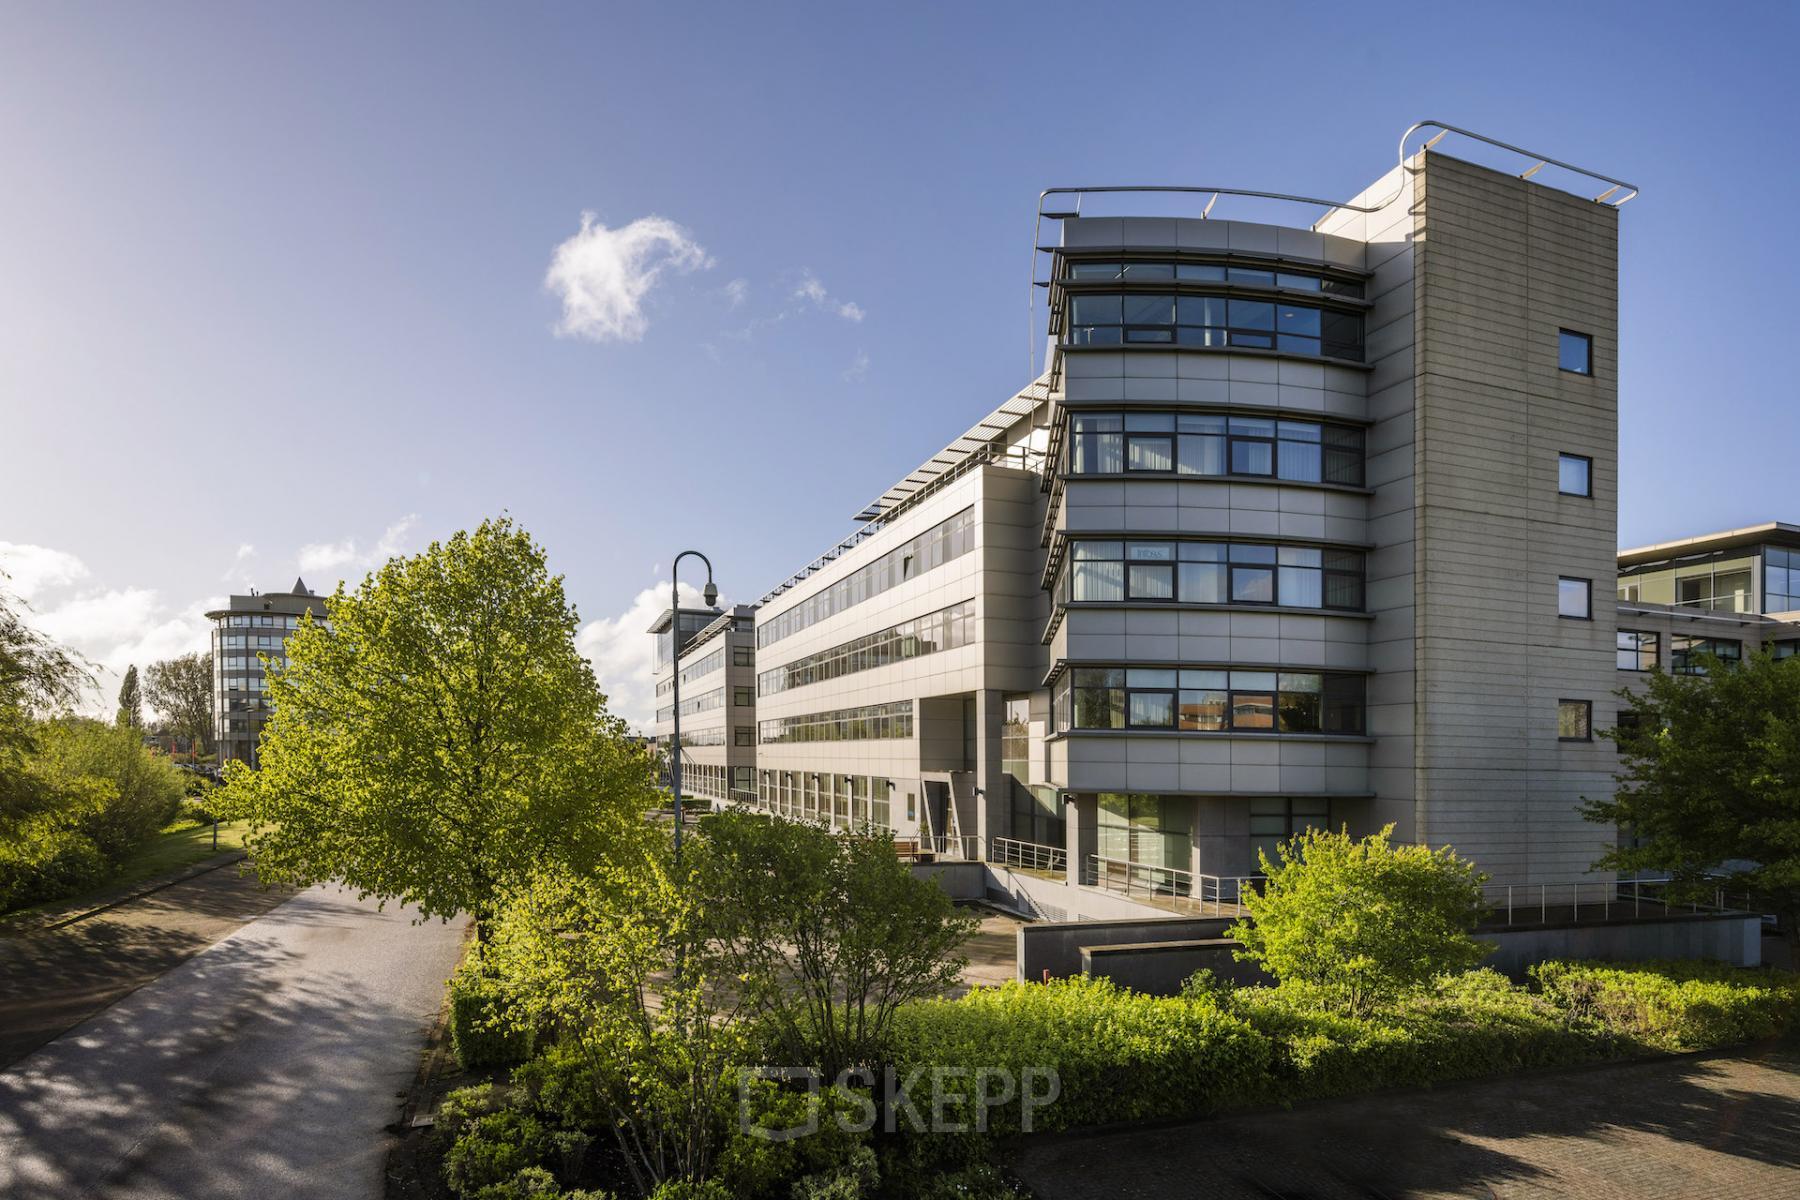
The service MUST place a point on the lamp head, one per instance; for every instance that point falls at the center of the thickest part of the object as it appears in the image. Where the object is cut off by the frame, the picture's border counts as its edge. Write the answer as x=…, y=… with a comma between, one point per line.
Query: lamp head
x=711, y=594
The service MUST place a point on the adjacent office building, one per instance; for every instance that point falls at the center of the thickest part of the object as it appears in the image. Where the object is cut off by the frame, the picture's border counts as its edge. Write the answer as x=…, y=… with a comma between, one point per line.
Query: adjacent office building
x=1300, y=525
x=247, y=631
x=715, y=655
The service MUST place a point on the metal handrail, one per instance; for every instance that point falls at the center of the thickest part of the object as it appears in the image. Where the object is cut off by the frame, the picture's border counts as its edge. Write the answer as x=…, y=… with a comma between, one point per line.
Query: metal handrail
x=1133, y=877
x=1028, y=856
x=1599, y=897
x=1539, y=162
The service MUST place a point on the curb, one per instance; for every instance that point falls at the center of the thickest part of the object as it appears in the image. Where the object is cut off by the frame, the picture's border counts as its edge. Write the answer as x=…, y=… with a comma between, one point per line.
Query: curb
x=138, y=892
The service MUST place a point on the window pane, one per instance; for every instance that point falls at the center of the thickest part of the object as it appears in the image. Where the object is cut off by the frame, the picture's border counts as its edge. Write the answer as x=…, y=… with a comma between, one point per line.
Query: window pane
x=1575, y=352
x=1092, y=270
x=1300, y=461
x=1101, y=309
x=1252, y=710
x=1151, y=581
x=1293, y=319
x=1202, y=583
x=1097, y=581
x=1097, y=453
x=1149, y=310
x=1306, y=283
x=1199, y=454
x=1252, y=276
x=1302, y=587
x=1202, y=709
x=1205, y=272
x=1572, y=476
x=1252, y=314
x=1572, y=597
x=1252, y=585
x=1252, y=458
x=1201, y=310
x=1150, y=453
x=1149, y=422
x=1573, y=720
x=1154, y=710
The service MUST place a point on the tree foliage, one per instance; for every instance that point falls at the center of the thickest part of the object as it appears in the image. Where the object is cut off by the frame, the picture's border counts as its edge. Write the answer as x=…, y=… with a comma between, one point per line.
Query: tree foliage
x=131, y=701
x=1709, y=781
x=180, y=688
x=443, y=735
x=616, y=957
x=37, y=677
x=831, y=934
x=1361, y=921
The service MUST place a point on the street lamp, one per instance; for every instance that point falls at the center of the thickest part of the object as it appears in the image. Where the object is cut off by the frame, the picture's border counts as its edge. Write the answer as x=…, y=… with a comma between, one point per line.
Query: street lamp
x=711, y=596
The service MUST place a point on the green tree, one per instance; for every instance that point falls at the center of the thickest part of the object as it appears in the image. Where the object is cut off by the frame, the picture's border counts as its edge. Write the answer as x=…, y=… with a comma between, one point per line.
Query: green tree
x=1358, y=922
x=442, y=736
x=131, y=701
x=829, y=933
x=616, y=956
x=1709, y=781
x=181, y=690
x=37, y=677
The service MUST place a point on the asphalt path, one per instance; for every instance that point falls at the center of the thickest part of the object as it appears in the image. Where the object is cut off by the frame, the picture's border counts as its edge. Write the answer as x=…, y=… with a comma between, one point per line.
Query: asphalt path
x=267, y=1065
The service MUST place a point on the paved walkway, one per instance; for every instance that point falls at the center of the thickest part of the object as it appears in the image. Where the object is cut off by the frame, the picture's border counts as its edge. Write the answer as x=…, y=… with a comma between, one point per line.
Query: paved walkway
x=265, y=1066
x=1725, y=1126
x=53, y=979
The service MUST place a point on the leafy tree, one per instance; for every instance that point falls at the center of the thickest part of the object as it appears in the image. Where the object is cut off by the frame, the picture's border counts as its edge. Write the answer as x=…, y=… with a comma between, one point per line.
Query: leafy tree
x=829, y=933
x=1710, y=781
x=1359, y=922
x=616, y=957
x=36, y=677
x=181, y=689
x=442, y=736
x=131, y=701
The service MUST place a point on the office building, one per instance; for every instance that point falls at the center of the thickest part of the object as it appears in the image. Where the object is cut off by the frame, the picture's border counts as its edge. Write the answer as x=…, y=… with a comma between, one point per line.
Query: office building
x=716, y=658
x=247, y=631
x=1300, y=525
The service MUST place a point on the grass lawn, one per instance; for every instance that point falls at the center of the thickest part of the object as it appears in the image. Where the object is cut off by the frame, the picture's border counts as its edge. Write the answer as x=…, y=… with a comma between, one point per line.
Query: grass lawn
x=179, y=845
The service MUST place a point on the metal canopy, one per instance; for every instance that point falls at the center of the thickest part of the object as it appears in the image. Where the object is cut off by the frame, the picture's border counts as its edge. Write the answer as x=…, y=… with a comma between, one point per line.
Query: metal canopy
x=983, y=433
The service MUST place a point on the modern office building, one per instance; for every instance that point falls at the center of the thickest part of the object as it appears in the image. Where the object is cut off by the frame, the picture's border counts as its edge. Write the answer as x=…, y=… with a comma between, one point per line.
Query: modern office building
x=248, y=630
x=716, y=658
x=1300, y=525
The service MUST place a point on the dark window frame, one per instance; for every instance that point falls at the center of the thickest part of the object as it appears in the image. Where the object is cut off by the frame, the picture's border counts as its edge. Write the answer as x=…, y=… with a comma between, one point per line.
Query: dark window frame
x=1587, y=339
x=1588, y=591
x=1587, y=462
x=1587, y=721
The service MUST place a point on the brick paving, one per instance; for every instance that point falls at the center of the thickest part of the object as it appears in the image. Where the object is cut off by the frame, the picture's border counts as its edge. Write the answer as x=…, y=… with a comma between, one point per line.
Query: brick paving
x=1724, y=1125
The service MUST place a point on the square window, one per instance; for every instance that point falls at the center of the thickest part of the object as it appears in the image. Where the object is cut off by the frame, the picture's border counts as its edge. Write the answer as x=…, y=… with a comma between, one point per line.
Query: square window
x=1572, y=598
x=1574, y=475
x=1575, y=720
x=1575, y=352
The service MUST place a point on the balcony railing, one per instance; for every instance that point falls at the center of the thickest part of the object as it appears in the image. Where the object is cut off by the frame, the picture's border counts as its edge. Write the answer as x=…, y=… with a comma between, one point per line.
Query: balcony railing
x=1597, y=900
x=1028, y=856
x=1170, y=887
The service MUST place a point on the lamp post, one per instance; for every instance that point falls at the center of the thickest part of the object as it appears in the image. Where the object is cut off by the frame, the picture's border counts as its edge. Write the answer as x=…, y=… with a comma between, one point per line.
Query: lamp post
x=711, y=596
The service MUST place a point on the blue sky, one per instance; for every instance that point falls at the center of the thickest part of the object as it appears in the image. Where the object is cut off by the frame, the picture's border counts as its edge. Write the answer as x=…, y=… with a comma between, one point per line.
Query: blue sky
x=273, y=279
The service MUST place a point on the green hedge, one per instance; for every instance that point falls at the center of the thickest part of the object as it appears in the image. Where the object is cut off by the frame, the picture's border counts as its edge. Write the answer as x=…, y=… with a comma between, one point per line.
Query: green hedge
x=480, y=1035
x=1688, y=1005
x=1120, y=1055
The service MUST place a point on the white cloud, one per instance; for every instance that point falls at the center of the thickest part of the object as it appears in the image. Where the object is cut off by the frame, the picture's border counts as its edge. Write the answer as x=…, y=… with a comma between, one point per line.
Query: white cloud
x=602, y=275
x=858, y=368
x=737, y=291
x=813, y=292
x=624, y=653
x=324, y=558
x=32, y=570
x=246, y=550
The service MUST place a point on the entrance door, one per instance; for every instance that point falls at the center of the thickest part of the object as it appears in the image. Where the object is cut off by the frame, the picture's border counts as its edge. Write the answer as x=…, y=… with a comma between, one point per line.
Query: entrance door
x=937, y=806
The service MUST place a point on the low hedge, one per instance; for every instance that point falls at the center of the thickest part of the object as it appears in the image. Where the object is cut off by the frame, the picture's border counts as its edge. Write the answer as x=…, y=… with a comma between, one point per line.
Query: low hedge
x=1119, y=1055
x=1686, y=1005
x=480, y=1034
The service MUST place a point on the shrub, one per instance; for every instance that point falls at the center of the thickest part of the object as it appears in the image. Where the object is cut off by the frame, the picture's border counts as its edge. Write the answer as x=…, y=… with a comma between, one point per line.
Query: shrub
x=1119, y=1055
x=751, y=1167
x=483, y=1030
x=198, y=810
x=1687, y=1005
x=146, y=789
x=1361, y=922
x=494, y=1149
x=1471, y=1025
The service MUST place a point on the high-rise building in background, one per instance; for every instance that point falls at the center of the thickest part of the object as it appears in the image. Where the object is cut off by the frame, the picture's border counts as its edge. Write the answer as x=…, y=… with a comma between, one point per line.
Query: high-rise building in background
x=249, y=629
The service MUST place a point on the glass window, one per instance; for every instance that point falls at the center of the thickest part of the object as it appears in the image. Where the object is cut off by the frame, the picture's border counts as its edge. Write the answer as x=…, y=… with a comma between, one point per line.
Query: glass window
x=1148, y=310
x=1201, y=310
x=1572, y=598
x=1575, y=352
x=1688, y=654
x=1251, y=276
x=1096, y=308
x=1574, y=475
x=1637, y=651
x=1575, y=720
x=1201, y=272
x=1252, y=314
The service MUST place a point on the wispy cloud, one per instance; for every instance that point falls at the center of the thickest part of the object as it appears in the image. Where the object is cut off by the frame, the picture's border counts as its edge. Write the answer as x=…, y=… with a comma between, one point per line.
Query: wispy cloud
x=325, y=558
x=602, y=275
x=31, y=570
x=624, y=653
x=810, y=291
x=858, y=368
x=736, y=292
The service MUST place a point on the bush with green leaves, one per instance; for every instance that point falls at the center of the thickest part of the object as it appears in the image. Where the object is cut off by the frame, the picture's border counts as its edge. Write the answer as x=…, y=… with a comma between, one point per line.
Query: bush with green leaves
x=757, y=1168
x=1687, y=1005
x=1359, y=922
x=1118, y=1055
x=483, y=1030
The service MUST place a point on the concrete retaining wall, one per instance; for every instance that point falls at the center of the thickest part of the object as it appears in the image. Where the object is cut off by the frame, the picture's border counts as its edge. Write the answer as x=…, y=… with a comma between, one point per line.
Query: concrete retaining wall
x=962, y=880
x=1056, y=946
x=1160, y=968
x=1731, y=937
